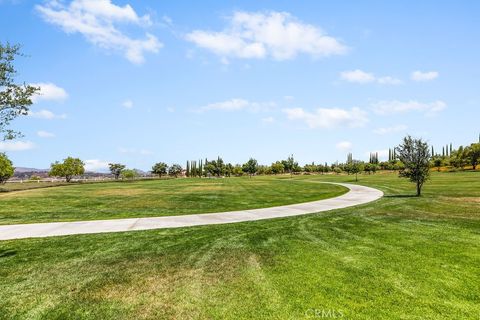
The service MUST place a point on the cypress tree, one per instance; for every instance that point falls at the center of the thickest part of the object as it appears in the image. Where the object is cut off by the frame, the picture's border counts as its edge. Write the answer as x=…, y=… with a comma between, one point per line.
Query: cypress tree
x=433, y=152
x=451, y=148
x=443, y=151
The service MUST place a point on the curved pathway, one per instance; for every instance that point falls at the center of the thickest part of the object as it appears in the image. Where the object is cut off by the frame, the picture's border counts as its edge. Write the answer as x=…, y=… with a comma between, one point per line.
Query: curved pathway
x=357, y=195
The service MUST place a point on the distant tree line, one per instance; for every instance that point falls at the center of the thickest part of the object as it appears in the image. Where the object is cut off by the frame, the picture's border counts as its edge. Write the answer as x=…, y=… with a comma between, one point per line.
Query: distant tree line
x=461, y=158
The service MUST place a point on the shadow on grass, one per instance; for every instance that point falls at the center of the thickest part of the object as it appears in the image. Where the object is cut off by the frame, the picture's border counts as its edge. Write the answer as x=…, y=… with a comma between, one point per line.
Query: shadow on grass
x=4, y=253
x=401, y=196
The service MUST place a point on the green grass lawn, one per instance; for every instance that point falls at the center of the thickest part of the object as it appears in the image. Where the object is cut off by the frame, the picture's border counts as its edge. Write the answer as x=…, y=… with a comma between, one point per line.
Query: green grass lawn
x=400, y=257
x=147, y=198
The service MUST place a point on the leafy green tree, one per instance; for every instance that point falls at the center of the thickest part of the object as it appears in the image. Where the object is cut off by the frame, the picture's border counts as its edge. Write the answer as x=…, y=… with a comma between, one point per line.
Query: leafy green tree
x=437, y=163
x=69, y=168
x=459, y=158
x=473, y=154
x=6, y=168
x=159, y=168
x=116, y=169
x=174, y=170
x=290, y=164
x=237, y=170
x=337, y=170
x=415, y=156
x=228, y=169
x=277, y=167
x=129, y=174
x=354, y=167
x=15, y=99
x=250, y=167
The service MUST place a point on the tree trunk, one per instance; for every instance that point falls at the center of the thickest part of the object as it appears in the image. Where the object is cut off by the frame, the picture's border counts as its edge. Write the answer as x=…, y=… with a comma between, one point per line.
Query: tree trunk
x=68, y=178
x=419, y=189
x=356, y=176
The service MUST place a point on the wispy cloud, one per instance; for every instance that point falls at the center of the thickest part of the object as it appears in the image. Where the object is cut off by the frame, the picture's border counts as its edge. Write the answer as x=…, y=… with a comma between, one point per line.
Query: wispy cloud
x=16, y=145
x=127, y=104
x=344, y=146
x=45, y=134
x=394, y=106
x=237, y=105
x=393, y=129
x=271, y=34
x=96, y=20
x=329, y=118
x=46, y=114
x=362, y=77
x=424, y=76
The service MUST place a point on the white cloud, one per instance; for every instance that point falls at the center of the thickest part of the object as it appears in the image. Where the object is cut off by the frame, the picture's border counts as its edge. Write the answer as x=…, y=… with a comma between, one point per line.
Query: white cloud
x=357, y=76
x=424, y=76
x=393, y=129
x=46, y=114
x=392, y=107
x=344, y=146
x=45, y=134
x=127, y=104
x=16, y=145
x=237, y=105
x=96, y=20
x=273, y=34
x=95, y=165
x=49, y=92
x=171, y=109
x=362, y=77
x=329, y=118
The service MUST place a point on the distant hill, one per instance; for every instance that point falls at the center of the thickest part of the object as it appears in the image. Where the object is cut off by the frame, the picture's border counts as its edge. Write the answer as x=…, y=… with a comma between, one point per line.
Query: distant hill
x=24, y=170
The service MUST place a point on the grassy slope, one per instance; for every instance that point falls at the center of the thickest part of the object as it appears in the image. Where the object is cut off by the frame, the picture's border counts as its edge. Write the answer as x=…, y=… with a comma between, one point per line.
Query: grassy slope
x=156, y=198
x=400, y=257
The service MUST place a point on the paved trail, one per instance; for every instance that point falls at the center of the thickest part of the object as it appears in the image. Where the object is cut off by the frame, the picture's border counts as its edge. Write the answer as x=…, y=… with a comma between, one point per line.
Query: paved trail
x=357, y=195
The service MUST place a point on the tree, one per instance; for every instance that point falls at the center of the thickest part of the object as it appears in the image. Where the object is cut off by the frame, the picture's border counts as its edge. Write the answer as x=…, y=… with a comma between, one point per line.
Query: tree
x=116, y=169
x=175, y=170
x=129, y=174
x=228, y=169
x=15, y=99
x=438, y=163
x=289, y=164
x=354, y=167
x=473, y=154
x=6, y=168
x=237, y=170
x=251, y=167
x=277, y=167
x=69, y=168
x=415, y=155
x=159, y=168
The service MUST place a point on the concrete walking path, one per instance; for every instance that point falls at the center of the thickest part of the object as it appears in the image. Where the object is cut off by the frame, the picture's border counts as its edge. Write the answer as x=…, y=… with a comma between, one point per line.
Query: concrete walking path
x=356, y=196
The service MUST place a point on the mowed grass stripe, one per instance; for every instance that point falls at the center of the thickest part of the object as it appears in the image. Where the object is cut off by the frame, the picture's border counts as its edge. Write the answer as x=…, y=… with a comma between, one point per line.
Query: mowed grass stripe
x=396, y=258
x=157, y=198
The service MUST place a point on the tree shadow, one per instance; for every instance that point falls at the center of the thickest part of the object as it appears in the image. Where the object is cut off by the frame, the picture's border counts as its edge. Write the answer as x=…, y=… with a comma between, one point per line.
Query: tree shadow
x=4, y=253
x=401, y=196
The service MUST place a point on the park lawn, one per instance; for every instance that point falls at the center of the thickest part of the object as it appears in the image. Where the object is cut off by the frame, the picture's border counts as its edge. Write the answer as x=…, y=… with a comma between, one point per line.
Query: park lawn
x=400, y=257
x=148, y=198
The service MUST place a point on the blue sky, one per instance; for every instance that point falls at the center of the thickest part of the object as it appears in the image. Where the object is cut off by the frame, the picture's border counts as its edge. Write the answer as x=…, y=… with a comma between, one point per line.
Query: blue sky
x=139, y=82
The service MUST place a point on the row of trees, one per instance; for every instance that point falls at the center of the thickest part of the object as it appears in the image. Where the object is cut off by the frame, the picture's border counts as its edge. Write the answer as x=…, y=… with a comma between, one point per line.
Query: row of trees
x=459, y=158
